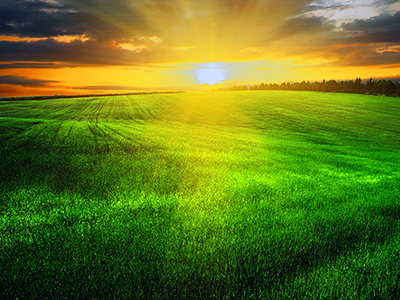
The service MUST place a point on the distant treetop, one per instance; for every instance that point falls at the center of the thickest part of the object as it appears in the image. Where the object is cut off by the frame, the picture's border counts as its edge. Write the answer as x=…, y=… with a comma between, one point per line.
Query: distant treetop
x=371, y=87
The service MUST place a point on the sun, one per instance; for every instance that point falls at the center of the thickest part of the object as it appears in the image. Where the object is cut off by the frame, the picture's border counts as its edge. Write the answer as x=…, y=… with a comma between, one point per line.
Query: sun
x=210, y=74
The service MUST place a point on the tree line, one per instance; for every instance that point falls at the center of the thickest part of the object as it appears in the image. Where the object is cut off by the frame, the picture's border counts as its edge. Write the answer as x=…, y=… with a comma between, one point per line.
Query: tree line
x=371, y=87
x=82, y=96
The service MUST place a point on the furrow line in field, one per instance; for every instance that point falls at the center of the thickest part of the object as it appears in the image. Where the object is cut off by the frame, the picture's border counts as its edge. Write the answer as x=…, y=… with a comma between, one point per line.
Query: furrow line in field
x=40, y=132
x=32, y=142
x=71, y=116
x=90, y=111
x=126, y=101
x=117, y=132
x=391, y=130
x=89, y=118
x=104, y=135
x=19, y=131
x=112, y=107
x=99, y=110
x=95, y=110
x=57, y=130
x=132, y=107
x=145, y=110
x=69, y=132
x=95, y=138
x=129, y=149
x=124, y=147
x=101, y=137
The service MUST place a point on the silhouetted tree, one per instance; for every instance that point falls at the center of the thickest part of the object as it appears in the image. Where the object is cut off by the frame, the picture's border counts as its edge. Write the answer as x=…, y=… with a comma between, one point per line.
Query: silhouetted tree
x=358, y=85
x=380, y=87
x=368, y=87
x=285, y=86
x=332, y=86
x=390, y=88
x=348, y=87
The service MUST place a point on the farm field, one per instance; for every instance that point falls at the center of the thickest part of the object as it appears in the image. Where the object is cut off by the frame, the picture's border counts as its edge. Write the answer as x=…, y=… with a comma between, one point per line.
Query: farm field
x=234, y=195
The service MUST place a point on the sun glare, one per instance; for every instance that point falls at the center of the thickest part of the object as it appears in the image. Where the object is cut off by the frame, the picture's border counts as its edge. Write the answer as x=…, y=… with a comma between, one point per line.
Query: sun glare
x=210, y=74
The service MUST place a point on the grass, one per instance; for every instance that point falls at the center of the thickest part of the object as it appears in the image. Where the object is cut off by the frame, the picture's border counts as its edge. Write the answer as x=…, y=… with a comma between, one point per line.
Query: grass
x=243, y=195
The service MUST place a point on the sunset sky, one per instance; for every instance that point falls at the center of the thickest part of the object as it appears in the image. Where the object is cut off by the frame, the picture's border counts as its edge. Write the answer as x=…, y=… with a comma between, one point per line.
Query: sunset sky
x=53, y=47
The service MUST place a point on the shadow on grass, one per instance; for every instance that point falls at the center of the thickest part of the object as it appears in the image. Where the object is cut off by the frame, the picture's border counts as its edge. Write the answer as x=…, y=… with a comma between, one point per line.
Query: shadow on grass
x=273, y=265
x=81, y=255
x=123, y=256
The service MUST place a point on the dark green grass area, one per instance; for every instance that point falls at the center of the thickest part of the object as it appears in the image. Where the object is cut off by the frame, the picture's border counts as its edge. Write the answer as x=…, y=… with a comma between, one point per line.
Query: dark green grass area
x=253, y=195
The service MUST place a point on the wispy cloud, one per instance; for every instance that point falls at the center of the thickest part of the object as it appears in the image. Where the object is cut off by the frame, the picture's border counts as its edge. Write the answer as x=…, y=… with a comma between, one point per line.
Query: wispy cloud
x=31, y=66
x=49, y=50
x=24, y=81
x=301, y=25
x=379, y=29
x=126, y=88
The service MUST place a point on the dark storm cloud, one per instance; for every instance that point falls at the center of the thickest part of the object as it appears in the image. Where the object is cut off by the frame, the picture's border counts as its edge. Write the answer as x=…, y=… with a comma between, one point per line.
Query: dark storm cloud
x=384, y=36
x=79, y=52
x=304, y=25
x=25, y=81
x=122, y=16
x=46, y=19
x=31, y=66
x=386, y=2
x=368, y=42
x=368, y=57
x=358, y=55
x=38, y=19
x=384, y=28
x=380, y=22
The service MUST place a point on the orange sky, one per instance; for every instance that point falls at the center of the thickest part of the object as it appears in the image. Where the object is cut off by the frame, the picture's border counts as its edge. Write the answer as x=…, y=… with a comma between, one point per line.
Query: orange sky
x=96, y=46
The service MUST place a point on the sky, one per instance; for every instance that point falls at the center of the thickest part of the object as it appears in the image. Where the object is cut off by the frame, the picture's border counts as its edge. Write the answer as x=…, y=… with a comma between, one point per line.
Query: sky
x=60, y=47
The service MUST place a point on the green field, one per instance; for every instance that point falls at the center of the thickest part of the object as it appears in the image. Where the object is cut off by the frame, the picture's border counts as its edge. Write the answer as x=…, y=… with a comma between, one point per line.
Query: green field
x=236, y=195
